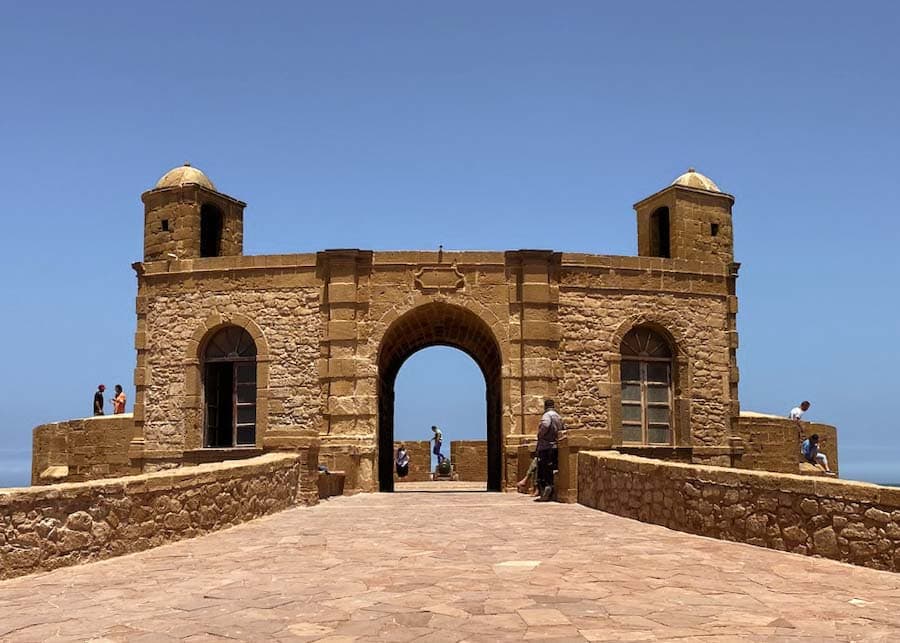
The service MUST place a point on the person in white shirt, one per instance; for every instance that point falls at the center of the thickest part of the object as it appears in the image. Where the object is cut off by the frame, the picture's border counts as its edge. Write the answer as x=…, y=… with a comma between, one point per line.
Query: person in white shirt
x=798, y=411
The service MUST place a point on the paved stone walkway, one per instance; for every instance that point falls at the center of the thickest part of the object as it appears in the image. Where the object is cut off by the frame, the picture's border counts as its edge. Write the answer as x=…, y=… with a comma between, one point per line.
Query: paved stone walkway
x=452, y=567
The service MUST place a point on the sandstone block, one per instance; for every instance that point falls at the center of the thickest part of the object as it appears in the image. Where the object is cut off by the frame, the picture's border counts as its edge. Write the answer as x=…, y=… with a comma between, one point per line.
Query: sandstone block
x=825, y=542
x=876, y=515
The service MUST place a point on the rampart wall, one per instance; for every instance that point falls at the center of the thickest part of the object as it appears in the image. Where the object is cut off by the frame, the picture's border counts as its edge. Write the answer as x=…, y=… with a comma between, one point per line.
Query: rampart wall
x=853, y=522
x=82, y=449
x=469, y=458
x=772, y=443
x=419, y=461
x=42, y=528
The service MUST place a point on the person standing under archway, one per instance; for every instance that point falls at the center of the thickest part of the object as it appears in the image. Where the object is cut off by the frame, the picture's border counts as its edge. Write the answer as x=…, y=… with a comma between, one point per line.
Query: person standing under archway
x=402, y=461
x=438, y=440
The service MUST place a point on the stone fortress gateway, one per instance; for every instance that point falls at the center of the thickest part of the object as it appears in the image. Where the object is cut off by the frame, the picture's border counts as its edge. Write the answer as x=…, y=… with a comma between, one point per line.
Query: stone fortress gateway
x=239, y=355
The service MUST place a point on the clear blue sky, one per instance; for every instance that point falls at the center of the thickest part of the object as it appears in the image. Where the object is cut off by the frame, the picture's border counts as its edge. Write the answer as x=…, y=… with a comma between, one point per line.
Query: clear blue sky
x=476, y=125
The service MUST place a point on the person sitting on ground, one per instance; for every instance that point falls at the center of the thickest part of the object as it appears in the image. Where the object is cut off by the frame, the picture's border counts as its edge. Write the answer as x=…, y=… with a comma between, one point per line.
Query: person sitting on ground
x=530, y=475
x=402, y=462
x=119, y=401
x=810, y=452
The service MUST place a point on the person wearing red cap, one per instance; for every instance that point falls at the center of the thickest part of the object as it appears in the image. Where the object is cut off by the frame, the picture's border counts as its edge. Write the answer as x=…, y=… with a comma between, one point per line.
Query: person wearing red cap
x=98, y=400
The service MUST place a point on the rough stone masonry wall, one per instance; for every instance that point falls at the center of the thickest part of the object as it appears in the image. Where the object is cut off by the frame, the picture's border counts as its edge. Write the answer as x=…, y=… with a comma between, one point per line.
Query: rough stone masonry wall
x=289, y=319
x=88, y=449
x=590, y=319
x=43, y=528
x=419, y=461
x=772, y=443
x=469, y=458
x=853, y=522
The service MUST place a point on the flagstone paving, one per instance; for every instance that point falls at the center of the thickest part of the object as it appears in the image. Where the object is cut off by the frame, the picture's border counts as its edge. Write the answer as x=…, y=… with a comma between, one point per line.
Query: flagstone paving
x=452, y=567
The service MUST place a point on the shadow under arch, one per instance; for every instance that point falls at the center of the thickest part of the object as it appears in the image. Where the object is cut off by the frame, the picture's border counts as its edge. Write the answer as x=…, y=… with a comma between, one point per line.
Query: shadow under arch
x=438, y=324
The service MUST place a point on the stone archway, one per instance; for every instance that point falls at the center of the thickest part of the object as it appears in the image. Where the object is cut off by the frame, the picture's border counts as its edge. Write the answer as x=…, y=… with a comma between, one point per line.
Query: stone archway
x=439, y=324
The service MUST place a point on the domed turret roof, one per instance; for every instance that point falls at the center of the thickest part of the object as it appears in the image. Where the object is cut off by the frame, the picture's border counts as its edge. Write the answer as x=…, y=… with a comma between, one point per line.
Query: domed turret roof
x=182, y=176
x=693, y=179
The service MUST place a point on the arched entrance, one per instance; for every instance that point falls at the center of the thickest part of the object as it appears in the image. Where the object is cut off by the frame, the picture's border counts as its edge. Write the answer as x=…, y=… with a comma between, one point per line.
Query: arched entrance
x=438, y=324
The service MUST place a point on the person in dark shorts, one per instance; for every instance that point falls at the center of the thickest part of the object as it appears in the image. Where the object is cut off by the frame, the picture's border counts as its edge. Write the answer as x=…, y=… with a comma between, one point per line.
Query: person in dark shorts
x=98, y=400
x=548, y=433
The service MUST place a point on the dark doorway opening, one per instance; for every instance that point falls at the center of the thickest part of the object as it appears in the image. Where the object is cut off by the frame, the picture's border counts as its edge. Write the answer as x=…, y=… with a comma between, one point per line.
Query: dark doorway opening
x=229, y=389
x=219, y=408
x=210, y=231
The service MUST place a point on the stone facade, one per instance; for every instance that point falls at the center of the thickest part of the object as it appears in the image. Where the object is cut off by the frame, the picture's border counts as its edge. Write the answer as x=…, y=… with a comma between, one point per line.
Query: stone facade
x=469, y=459
x=43, y=528
x=854, y=522
x=331, y=330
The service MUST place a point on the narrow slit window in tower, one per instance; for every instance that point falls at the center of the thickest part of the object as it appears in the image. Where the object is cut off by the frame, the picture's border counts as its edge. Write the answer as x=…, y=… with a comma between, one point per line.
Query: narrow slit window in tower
x=210, y=231
x=659, y=233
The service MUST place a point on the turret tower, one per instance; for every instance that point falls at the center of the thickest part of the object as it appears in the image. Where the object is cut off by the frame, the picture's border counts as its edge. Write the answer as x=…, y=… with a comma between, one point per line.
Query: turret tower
x=185, y=217
x=690, y=219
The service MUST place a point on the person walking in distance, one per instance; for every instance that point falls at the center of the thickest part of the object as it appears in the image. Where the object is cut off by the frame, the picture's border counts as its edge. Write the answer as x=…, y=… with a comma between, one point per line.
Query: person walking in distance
x=119, y=401
x=548, y=433
x=98, y=400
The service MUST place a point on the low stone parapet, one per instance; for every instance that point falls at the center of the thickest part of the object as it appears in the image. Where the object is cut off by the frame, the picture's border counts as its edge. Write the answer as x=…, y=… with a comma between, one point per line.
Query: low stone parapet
x=772, y=443
x=42, y=528
x=82, y=449
x=854, y=522
x=469, y=458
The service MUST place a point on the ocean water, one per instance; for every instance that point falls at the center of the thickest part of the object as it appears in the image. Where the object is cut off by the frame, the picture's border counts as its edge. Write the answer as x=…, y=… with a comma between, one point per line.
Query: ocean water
x=15, y=467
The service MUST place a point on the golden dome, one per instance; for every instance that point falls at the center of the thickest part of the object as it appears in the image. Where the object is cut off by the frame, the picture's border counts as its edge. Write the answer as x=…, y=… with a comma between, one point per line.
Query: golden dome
x=693, y=179
x=182, y=176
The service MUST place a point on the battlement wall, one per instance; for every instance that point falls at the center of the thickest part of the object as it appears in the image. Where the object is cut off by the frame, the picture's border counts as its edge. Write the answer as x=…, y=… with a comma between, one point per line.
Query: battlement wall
x=419, y=461
x=469, y=458
x=772, y=443
x=854, y=522
x=42, y=528
x=82, y=449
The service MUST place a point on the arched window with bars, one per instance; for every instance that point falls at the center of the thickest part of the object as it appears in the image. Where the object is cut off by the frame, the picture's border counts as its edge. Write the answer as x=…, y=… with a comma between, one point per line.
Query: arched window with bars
x=646, y=374
x=229, y=389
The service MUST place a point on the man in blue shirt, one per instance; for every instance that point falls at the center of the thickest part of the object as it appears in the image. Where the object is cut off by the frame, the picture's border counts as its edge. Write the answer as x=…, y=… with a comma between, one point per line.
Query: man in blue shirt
x=810, y=452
